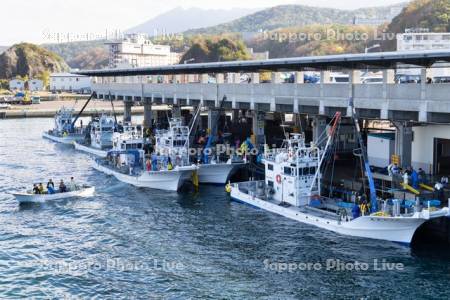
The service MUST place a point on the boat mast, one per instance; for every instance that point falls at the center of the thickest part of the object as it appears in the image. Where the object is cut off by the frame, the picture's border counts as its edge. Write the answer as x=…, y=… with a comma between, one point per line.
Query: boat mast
x=335, y=122
x=82, y=109
x=364, y=156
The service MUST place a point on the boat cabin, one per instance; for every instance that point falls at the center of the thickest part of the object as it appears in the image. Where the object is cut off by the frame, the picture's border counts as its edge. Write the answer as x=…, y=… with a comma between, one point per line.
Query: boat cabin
x=292, y=173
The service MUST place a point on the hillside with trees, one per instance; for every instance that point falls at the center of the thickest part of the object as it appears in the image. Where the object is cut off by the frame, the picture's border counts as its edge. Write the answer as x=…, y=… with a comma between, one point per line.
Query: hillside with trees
x=430, y=14
x=28, y=60
x=314, y=40
x=285, y=16
x=213, y=49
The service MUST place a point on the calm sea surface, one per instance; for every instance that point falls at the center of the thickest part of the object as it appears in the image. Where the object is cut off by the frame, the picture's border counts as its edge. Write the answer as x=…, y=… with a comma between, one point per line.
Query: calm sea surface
x=130, y=243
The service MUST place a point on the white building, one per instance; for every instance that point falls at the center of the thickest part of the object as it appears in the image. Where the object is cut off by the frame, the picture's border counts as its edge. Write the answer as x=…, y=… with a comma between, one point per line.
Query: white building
x=16, y=84
x=431, y=149
x=380, y=148
x=68, y=82
x=420, y=39
x=35, y=85
x=137, y=50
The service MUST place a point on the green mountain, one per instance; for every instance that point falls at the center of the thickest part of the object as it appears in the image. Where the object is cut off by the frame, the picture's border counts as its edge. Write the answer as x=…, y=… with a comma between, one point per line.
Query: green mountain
x=299, y=15
x=29, y=60
x=313, y=40
x=216, y=49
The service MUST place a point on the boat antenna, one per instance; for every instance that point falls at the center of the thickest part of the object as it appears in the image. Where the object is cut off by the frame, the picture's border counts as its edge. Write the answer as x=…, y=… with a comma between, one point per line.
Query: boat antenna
x=112, y=106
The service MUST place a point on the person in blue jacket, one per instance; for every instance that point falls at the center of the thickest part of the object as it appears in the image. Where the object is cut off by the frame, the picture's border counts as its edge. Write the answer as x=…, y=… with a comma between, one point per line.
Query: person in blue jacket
x=414, y=179
x=356, y=212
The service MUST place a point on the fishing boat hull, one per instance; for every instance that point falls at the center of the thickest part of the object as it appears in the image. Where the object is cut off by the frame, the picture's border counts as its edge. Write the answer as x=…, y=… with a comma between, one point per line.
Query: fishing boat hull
x=97, y=152
x=160, y=180
x=67, y=140
x=217, y=173
x=33, y=198
x=395, y=229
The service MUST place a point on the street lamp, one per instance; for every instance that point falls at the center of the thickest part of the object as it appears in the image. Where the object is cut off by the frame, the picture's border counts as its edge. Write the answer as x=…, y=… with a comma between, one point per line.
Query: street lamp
x=371, y=47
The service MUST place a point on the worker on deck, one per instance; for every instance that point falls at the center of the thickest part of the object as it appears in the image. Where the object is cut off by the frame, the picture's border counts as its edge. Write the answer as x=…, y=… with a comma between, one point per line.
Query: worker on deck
x=148, y=165
x=422, y=176
x=414, y=178
x=169, y=164
x=356, y=212
x=439, y=191
x=405, y=178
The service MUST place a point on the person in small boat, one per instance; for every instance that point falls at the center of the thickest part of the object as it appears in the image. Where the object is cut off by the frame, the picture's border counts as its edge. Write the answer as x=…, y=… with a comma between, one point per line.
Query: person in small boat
x=36, y=189
x=50, y=187
x=62, y=187
x=72, y=185
x=41, y=188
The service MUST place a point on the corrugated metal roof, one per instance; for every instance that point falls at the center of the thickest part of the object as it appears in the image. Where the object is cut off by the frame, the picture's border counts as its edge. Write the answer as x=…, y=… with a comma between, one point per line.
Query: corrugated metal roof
x=344, y=61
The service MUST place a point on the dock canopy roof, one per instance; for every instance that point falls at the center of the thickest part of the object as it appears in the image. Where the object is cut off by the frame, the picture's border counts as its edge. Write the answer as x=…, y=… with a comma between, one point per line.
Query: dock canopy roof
x=328, y=62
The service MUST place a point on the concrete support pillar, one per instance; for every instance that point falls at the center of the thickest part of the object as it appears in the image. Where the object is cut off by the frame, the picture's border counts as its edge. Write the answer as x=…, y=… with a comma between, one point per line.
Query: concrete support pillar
x=148, y=114
x=425, y=76
x=276, y=78
x=354, y=78
x=403, y=143
x=388, y=78
x=190, y=78
x=319, y=128
x=299, y=77
x=229, y=77
x=177, y=79
x=255, y=77
x=324, y=79
x=236, y=78
x=204, y=78
x=325, y=76
x=127, y=110
x=220, y=78
x=258, y=126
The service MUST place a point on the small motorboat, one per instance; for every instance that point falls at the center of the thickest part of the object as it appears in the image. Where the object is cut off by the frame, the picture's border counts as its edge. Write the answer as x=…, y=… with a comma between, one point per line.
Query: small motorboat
x=29, y=197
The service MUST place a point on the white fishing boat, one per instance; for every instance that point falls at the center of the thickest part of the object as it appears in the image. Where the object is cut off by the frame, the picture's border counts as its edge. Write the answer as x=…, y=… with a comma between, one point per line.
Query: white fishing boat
x=90, y=150
x=64, y=131
x=126, y=137
x=101, y=132
x=163, y=179
x=213, y=169
x=98, y=137
x=168, y=168
x=218, y=172
x=29, y=197
x=292, y=188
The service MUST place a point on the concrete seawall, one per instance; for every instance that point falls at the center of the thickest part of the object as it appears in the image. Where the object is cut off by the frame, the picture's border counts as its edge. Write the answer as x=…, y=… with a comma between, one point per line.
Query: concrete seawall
x=39, y=113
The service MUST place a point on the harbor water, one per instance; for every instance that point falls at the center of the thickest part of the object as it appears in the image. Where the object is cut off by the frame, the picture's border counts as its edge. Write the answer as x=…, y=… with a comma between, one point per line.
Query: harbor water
x=144, y=244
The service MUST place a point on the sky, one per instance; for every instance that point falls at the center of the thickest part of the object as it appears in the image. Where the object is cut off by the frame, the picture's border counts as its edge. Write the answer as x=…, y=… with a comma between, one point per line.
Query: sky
x=39, y=21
